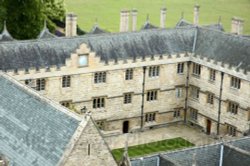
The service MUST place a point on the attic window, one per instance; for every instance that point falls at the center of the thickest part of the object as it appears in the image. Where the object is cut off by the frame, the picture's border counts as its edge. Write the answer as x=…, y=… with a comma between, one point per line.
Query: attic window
x=83, y=60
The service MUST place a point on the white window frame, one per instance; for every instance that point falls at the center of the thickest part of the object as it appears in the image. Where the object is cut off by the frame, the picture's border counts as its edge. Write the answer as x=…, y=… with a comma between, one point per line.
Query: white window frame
x=127, y=98
x=152, y=95
x=154, y=71
x=212, y=75
x=129, y=74
x=100, y=77
x=98, y=102
x=235, y=82
x=180, y=68
x=150, y=117
x=196, y=69
x=210, y=98
x=233, y=107
x=193, y=114
x=66, y=81
x=231, y=130
x=178, y=92
x=195, y=92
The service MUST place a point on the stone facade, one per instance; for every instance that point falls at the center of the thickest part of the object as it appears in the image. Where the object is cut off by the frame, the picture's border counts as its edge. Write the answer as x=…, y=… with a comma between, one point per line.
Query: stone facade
x=90, y=144
x=166, y=108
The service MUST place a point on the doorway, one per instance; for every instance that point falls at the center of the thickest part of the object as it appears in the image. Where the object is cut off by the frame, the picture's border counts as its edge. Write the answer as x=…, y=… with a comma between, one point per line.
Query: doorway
x=209, y=124
x=125, y=127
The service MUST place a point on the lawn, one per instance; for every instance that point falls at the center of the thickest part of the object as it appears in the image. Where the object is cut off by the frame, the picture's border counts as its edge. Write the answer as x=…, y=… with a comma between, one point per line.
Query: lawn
x=159, y=146
x=107, y=11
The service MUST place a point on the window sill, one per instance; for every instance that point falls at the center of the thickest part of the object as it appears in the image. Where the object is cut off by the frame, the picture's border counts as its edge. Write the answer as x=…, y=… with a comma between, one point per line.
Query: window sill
x=196, y=76
x=234, y=89
x=211, y=81
x=180, y=74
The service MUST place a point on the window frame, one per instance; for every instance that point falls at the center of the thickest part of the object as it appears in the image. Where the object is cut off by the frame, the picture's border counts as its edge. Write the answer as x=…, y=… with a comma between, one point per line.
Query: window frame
x=195, y=92
x=180, y=68
x=233, y=107
x=210, y=98
x=152, y=95
x=212, y=75
x=177, y=113
x=40, y=84
x=193, y=114
x=66, y=81
x=235, y=82
x=129, y=74
x=100, y=77
x=98, y=102
x=196, y=69
x=127, y=98
x=154, y=71
x=150, y=117
x=231, y=130
x=178, y=92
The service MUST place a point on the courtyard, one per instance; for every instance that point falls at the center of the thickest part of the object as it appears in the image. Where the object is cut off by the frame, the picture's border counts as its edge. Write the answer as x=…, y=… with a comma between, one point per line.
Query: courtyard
x=191, y=134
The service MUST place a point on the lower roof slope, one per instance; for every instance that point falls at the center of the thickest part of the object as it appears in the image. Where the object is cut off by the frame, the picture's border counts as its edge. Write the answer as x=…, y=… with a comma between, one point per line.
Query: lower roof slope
x=32, y=131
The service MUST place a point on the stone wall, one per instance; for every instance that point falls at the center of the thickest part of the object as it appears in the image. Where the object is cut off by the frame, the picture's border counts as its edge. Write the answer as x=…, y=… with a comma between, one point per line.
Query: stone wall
x=83, y=89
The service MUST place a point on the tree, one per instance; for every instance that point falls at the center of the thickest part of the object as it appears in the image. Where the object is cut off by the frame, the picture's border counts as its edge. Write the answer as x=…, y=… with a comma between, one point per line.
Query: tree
x=25, y=18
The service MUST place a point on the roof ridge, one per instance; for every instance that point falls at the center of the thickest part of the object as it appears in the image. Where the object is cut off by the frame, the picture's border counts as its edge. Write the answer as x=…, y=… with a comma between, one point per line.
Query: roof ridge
x=96, y=35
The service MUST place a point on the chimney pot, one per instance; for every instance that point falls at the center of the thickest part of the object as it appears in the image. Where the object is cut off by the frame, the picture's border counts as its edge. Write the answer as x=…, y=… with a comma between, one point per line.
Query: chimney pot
x=196, y=14
x=163, y=18
x=237, y=25
x=71, y=25
x=124, y=20
x=134, y=19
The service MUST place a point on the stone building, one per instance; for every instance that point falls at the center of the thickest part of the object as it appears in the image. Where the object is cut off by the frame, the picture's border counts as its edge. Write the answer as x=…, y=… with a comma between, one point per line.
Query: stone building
x=37, y=131
x=139, y=80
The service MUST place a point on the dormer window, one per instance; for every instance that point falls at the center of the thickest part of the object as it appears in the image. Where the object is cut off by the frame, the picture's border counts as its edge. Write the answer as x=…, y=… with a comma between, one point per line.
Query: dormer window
x=83, y=60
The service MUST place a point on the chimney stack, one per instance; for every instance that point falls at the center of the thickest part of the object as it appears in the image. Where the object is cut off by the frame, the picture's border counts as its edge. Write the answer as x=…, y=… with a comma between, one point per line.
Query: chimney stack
x=237, y=25
x=163, y=18
x=124, y=21
x=196, y=14
x=134, y=19
x=71, y=25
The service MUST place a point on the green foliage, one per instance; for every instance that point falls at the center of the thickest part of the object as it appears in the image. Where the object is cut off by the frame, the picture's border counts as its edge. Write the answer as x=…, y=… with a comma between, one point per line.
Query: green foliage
x=25, y=18
x=153, y=147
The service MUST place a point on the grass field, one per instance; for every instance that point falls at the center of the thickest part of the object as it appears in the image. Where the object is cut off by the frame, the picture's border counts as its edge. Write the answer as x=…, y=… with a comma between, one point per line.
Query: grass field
x=108, y=11
x=143, y=149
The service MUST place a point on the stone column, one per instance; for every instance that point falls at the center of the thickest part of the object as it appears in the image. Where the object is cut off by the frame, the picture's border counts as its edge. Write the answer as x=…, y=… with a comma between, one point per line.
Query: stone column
x=163, y=17
x=71, y=25
x=237, y=25
x=196, y=14
x=134, y=19
x=124, y=21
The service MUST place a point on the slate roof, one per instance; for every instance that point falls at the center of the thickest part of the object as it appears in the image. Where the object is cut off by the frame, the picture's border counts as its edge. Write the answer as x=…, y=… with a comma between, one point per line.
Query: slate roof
x=209, y=155
x=5, y=35
x=206, y=42
x=148, y=25
x=97, y=30
x=184, y=23
x=32, y=131
x=45, y=33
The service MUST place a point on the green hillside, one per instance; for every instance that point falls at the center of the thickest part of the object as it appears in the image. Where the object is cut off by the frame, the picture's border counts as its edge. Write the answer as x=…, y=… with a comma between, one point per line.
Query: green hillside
x=107, y=12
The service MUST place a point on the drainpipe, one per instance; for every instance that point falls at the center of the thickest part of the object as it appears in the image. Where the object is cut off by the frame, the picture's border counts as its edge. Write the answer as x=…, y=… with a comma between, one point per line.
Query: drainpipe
x=186, y=98
x=143, y=92
x=219, y=109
